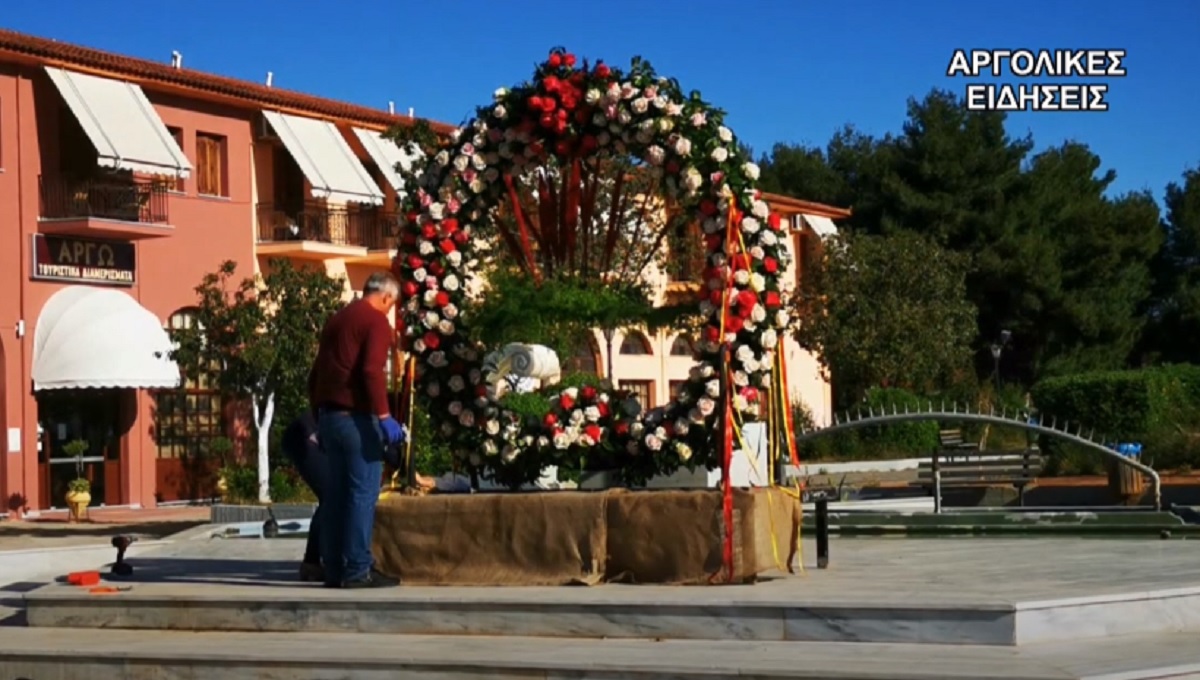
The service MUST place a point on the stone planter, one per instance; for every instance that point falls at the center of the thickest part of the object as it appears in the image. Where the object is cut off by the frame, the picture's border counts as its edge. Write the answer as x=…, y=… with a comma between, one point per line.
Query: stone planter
x=222, y=513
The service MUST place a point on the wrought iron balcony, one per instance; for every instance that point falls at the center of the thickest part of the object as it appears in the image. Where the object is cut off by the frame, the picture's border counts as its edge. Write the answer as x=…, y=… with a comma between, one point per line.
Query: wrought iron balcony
x=108, y=198
x=370, y=228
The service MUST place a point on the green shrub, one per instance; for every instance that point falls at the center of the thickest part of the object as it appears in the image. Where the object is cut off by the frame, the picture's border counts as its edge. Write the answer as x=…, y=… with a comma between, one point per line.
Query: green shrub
x=1159, y=407
x=904, y=440
x=241, y=483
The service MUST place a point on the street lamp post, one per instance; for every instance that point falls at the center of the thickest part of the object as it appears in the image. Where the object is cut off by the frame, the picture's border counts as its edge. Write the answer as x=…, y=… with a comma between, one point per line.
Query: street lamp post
x=997, y=350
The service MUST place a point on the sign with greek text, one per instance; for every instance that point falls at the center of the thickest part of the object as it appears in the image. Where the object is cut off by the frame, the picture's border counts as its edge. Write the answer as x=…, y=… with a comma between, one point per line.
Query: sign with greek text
x=63, y=258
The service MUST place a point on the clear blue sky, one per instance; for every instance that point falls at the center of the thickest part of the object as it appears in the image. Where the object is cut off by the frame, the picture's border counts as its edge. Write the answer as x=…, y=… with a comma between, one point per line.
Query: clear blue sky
x=785, y=70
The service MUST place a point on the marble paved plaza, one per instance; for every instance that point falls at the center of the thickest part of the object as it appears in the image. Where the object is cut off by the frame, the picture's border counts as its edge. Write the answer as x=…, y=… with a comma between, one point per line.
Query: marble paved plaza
x=948, y=571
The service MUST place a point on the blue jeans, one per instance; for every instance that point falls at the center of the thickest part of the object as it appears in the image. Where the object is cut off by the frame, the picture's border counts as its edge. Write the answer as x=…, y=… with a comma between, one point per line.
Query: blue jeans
x=354, y=447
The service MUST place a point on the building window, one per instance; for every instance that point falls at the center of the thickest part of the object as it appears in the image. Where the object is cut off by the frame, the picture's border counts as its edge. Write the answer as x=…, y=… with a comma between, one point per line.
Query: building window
x=584, y=359
x=682, y=346
x=635, y=343
x=676, y=386
x=176, y=184
x=189, y=418
x=642, y=390
x=211, y=165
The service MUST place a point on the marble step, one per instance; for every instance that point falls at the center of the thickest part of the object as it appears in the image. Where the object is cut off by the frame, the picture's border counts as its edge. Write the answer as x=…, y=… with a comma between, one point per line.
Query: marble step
x=68, y=654
x=769, y=612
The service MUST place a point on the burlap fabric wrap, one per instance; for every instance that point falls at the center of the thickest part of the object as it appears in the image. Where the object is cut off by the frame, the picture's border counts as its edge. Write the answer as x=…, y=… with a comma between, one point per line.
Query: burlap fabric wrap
x=561, y=538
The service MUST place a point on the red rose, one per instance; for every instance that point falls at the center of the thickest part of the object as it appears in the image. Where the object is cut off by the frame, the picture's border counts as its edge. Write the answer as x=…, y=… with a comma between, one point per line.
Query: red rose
x=415, y=262
x=461, y=237
x=429, y=231
x=436, y=268
x=734, y=324
x=548, y=104
x=560, y=126
x=747, y=298
x=621, y=428
x=457, y=367
x=442, y=298
x=715, y=297
x=773, y=221
x=409, y=238
x=740, y=261
x=413, y=216
x=547, y=120
x=587, y=392
x=432, y=340
x=750, y=393
x=708, y=207
x=589, y=142
x=562, y=148
x=555, y=60
x=550, y=420
x=447, y=246
x=449, y=225
x=603, y=409
x=712, y=333
x=409, y=289
x=581, y=116
x=770, y=264
x=481, y=390
x=713, y=242
x=527, y=126
x=772, y=300
x=602, y=70
x=566, y=402
x=537, y=149
x=569, y=59
x=592, y=431
x=672, y=166
x=552, y=83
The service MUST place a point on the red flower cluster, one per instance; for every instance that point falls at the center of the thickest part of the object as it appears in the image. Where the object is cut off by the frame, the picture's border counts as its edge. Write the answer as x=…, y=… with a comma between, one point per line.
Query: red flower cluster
x=557, y=103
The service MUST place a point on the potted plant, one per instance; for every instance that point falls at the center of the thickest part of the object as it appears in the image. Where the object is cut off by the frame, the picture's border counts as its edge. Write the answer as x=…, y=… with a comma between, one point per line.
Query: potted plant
x=220, y=448
x=79, y=490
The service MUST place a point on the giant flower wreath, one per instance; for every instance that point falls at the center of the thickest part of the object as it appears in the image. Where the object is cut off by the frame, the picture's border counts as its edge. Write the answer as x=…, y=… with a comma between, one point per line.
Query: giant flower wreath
x=571, y=111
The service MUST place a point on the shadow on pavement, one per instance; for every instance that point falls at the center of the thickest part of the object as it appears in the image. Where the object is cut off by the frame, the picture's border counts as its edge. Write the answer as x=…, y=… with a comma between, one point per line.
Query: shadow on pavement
x=234, y=572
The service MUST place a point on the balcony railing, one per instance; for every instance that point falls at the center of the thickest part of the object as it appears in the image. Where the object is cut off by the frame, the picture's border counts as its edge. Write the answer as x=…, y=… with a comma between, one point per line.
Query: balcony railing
x=110, y=198
x=369, y=228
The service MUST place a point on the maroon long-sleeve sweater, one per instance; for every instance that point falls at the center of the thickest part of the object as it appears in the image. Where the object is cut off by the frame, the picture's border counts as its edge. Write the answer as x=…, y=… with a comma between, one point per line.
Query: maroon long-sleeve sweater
x=349, y=370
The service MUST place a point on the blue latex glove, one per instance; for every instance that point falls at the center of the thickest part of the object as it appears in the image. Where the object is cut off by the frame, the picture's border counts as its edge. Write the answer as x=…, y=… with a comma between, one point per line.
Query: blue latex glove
x=393, y=432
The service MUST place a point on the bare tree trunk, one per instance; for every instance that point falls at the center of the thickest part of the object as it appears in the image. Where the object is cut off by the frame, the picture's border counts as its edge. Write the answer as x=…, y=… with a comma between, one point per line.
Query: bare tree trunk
x=262, y=423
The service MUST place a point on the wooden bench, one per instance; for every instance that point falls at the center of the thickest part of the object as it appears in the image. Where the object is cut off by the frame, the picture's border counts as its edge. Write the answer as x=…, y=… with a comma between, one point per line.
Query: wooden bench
x=952, y=442
x=981, y=468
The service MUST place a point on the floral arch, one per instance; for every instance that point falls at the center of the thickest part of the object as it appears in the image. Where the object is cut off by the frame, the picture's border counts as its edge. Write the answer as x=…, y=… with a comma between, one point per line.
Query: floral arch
x=572, y=114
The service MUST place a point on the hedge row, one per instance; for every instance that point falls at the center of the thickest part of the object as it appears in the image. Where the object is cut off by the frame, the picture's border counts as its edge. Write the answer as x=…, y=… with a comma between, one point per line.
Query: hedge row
x=908, y=440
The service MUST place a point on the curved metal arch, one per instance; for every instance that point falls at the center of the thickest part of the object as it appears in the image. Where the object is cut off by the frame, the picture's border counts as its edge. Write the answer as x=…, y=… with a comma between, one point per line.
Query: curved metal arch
x=873, y=418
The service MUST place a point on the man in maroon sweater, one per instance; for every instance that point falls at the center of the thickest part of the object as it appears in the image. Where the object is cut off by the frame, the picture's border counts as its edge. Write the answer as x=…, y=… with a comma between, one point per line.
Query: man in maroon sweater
x=348, y=388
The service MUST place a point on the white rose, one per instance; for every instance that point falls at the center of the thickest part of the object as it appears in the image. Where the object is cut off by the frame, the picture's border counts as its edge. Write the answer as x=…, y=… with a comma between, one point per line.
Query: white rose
x=419, y=347
x=713, y=388
x=768, y=238
x=750, y=225
x=454, y=258
x=455, y=383
x=500, y=93
x=681, y=427
x=576, y=417
x=740, y=378
x=490, y=448
x=562, y=440
x=450, y=283
x=770, y=338
x=500, y=112
x=699, y=119
x=477, y=185
x=781, y=319
x=741, y=277
x=466, y=418
x=640, y=105
x=761, y=210
x=653, y=443
x=751, y=171
x=695, y=415
x=758, y=313
x=757, y=252
x=442, y=157
x=425, y=248
x=430, y=319
x=509, y=454
x=758, y=283
x=683, y=146
x=674, y=109
x=450, y=311
x=429, y=297
x=461, y=163
x=720, y=154
x=433, y=389
x=455, y=408
x=741, y=404
x=725, y=134
x=706, y=406
x=445, y=327
x=592, y=414
x=593, y=96
x=656, y=154
x=492, y=427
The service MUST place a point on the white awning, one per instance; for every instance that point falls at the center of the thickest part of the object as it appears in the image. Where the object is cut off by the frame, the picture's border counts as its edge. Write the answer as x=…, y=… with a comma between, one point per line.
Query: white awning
x=100, y=337
x=122, y=124
x=325, y=159
x=823, y=226
x=387, y=155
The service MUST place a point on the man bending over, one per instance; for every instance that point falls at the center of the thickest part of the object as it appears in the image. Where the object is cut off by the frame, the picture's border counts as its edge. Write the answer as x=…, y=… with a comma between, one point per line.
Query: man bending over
x=348, y=389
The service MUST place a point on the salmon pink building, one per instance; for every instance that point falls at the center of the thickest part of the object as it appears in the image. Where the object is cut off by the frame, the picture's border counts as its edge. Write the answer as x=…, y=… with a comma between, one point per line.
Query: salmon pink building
x=122, y=183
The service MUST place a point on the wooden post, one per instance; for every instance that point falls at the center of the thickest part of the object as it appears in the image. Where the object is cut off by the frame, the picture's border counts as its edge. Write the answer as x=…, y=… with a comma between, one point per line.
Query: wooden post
x=937, y=484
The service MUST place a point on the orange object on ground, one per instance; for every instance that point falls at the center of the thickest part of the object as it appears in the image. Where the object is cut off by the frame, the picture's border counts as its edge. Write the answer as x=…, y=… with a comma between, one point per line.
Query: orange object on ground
x=103, y=590
x=83, y=578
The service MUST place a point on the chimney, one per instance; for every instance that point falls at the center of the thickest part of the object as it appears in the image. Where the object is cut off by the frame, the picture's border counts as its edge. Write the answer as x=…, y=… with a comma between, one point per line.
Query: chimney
x=176, y=59
x=392, y=108
x=270, y=78
x=410, y=112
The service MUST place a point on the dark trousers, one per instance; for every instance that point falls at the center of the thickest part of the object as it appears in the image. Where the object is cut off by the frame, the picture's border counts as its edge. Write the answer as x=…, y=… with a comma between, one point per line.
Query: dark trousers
x=313, y=466
x=354, y=448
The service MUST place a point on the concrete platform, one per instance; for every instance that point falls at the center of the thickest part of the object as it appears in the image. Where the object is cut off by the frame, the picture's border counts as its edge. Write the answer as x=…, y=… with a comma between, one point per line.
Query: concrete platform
x=994, y=592
x=61, y=654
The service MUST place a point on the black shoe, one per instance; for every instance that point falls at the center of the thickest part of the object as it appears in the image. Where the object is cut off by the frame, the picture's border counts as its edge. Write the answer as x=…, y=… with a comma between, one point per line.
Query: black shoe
x=373, y=579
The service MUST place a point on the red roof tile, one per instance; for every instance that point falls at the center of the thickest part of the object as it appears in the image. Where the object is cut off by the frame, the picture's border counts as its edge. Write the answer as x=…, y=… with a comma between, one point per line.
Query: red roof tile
x=46, y=51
